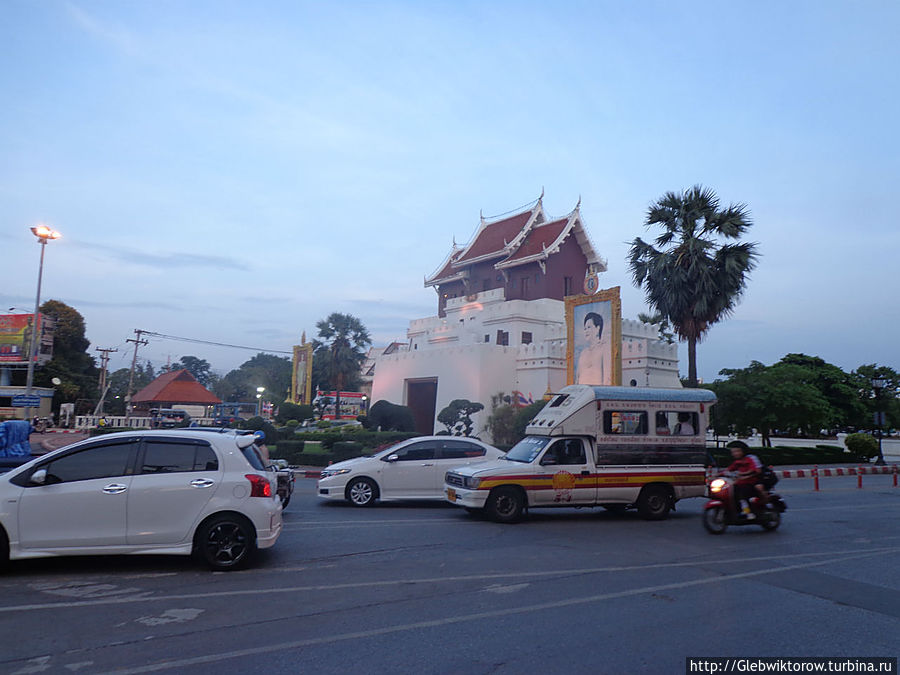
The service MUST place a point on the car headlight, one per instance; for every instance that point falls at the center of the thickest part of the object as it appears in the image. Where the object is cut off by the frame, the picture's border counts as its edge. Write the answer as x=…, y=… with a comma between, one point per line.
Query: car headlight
x=471, y=482
x=328, y=473
x=717, y=485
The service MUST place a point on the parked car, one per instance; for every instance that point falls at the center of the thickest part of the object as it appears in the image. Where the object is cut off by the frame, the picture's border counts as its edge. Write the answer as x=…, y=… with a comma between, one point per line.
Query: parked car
x=173, y=491
x=411, y=469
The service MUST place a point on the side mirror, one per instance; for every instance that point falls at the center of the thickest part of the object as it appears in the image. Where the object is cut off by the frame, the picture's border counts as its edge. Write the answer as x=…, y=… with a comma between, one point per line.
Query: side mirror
x=391, y=458
x=39, y=477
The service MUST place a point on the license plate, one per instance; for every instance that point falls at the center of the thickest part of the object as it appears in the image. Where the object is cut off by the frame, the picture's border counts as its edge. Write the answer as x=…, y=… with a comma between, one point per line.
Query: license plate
x=451, y=494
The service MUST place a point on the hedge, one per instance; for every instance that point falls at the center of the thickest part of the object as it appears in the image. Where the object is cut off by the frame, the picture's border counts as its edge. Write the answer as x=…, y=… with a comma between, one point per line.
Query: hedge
x=784, y=454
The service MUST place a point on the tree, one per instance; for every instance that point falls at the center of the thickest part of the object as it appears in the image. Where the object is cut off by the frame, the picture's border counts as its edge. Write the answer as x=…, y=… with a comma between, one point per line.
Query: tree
x=117, y=382
x=887, y=400
x=689, y=277
x=840, y=389
x=457, y=417
x=263, y=370
x=197, y=367
x=389, y=416
x=291, y=411
x=71, y=361
x=339, y=351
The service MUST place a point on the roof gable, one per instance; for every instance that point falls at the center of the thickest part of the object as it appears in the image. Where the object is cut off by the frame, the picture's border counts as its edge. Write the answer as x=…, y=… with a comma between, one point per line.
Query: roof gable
x=177, y=386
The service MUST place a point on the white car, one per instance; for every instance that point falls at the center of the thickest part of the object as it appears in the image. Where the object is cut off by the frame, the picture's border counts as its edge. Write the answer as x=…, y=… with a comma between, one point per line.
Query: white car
x=173, y=491
x=411, y=469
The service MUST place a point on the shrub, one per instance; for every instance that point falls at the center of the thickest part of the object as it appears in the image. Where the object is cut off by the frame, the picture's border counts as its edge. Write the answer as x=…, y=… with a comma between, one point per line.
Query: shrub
x=260, y=424
x=863, y=446
x=390, y=417
x=288, y=450
x=346, y=450
x=100, y=431
x=293, y=424
x=288, y=412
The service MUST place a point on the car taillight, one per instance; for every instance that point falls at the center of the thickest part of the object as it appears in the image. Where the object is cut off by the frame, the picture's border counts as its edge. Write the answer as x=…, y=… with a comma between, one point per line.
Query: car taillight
x=259, y=485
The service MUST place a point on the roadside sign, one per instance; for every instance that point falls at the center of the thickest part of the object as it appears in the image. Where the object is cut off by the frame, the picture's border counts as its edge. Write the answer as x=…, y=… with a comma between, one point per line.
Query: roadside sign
x=23, y=401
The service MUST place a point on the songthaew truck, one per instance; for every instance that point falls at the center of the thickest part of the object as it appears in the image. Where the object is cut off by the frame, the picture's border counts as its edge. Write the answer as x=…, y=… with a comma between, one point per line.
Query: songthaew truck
x=615, y=447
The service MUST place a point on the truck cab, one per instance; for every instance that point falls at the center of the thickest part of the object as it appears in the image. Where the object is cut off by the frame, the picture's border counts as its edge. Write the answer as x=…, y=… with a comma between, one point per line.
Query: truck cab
x=616, y=447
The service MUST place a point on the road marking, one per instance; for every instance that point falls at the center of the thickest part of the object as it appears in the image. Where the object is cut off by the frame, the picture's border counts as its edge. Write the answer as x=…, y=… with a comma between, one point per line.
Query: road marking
x=434, y=580
x=464, y=618
x=170, y=616
x=502, y=590
x=351, y=523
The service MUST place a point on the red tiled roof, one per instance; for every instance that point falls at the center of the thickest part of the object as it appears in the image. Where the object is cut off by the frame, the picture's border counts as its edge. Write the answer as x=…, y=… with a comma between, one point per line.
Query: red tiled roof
x=494, y=237
x=541, y=237
x=179, y=386
x=447, y=270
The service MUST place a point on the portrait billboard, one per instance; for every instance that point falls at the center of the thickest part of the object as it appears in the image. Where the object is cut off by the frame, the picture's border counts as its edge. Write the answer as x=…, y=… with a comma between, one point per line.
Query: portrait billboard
x=16, y=331
x=594, y=338
x=301, y=374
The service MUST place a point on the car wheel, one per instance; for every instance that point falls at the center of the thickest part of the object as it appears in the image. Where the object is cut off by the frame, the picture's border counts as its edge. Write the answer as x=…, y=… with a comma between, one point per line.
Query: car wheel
x=226, y=542
x=362, y=492
x=653, y=504
x=506, y=504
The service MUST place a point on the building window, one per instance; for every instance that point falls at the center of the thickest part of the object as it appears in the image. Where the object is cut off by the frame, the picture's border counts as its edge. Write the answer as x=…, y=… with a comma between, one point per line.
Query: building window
x=567, y=285
x=485, y=284
x=523, y=282
x=487, y=338
x=526, y=338
x=503, y=338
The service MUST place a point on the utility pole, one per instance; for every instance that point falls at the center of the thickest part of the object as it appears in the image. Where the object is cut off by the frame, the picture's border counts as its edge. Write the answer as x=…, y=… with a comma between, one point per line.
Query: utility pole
x=104, y=362
x=137, y=342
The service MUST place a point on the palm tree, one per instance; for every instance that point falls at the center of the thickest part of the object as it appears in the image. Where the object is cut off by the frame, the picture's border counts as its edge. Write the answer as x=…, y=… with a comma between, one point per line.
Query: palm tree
x=662, y=323
x=342, y=340
x=689, y=277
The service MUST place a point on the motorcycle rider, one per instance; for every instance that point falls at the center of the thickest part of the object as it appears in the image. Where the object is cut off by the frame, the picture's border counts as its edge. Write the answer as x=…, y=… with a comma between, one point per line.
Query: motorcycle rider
x=747, y=470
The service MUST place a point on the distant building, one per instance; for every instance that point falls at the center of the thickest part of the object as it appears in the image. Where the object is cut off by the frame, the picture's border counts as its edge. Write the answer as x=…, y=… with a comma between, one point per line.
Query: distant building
x=176, y=389
x=500, y=325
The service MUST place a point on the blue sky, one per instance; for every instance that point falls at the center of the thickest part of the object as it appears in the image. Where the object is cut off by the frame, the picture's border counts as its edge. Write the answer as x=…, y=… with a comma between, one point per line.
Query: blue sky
x=235, y=171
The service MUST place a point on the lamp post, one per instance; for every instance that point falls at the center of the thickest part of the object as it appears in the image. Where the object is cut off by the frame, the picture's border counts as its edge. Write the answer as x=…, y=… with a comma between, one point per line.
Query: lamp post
x=879, y=383
x=44, y=234
x=259, y=393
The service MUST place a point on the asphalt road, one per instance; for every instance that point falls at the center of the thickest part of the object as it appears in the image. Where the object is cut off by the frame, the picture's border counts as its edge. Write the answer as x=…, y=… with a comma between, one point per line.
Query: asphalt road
x=426, y=588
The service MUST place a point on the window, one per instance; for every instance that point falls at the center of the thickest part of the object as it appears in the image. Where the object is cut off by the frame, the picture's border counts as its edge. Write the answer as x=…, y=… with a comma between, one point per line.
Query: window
x=526, y=338
x=460, y=450
x=567, y=285
x=672, y=423
x=98, y=462
x=567, y=452
x=503, y=338
x=523, y=284
x=624, y=423
x=487, y=338
x=485, y=284
x=175, y=457
x=416, y=452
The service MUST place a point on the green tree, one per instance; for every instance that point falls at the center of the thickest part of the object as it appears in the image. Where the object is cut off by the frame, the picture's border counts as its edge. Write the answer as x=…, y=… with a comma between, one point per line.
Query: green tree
x=263, y=370
x=501, y=422
x=658, y=320
x=71, y=362
x=887, y=400
x=457, y=417
x=197, y=367
x=839, y=388
x=690, y=277
x=117, y=381
x=291, y=411
x=339, y=351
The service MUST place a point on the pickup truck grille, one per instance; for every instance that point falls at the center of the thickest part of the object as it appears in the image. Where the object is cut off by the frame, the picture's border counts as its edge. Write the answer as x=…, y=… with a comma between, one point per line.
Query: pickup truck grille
x=453, y=479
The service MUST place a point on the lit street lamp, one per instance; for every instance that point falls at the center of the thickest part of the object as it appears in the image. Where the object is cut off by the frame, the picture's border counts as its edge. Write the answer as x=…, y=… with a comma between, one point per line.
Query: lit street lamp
x=259, y=393
x=879, y=383
x=44, y=234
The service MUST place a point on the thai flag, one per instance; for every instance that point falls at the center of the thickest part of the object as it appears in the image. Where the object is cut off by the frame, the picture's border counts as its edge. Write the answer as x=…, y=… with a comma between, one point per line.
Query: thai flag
x=521, y=401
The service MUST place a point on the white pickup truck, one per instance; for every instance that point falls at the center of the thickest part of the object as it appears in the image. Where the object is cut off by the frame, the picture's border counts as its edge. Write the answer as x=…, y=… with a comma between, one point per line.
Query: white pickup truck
x=616, y=447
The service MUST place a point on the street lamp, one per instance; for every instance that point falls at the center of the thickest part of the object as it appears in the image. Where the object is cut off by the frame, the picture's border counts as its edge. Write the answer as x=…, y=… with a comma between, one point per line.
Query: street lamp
x=44, y=234
x=879, y=383
x=259, y=393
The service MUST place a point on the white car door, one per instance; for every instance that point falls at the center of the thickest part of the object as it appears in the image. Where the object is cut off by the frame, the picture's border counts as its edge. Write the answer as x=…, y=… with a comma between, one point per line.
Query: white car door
x=409, y=472
x=566, y=475
x=81, y=501
x=174, y=480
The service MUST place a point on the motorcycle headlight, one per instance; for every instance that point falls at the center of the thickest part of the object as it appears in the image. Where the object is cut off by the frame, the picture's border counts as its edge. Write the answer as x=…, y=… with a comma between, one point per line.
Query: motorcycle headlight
x=328, y=473
x=471, y=482
x=717, y=485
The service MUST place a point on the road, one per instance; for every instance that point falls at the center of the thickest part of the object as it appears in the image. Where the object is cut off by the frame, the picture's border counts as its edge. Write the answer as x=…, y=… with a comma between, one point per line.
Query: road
x=428, y=589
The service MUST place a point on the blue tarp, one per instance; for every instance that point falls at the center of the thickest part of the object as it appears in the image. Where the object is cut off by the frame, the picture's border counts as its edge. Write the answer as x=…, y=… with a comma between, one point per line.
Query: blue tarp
x=14, y=439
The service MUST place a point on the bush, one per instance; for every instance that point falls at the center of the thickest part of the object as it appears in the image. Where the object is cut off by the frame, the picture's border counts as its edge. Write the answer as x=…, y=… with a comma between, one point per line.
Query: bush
x=863, y=446
x=346, y=450
x=100, y=431
x=288, y=412
x=288, y=450
x=260, y=424
x=293, y=424
x=390, y=417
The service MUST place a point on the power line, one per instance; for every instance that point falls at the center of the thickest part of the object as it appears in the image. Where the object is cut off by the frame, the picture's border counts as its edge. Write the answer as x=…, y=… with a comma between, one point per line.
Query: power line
x=214, y=344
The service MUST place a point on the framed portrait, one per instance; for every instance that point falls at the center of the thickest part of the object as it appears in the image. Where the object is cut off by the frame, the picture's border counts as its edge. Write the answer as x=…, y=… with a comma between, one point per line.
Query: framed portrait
x=594, y=332
x=301, y=375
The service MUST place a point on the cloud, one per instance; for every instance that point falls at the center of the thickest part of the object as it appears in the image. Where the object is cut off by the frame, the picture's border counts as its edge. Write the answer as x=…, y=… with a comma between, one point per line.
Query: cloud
x=162, y=260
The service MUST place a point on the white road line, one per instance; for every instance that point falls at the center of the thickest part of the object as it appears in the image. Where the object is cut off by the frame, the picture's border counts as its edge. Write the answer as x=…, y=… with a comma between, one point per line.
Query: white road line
x=464, y=618
x=434, y=580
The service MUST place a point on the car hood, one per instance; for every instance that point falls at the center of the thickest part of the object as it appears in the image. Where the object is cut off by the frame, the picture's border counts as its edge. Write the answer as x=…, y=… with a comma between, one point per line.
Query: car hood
x=488, y=466
x=349, y=463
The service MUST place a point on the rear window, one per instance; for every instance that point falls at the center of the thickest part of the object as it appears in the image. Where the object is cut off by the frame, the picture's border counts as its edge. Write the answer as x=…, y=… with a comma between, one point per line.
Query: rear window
x=251, y=453
x=624, y=422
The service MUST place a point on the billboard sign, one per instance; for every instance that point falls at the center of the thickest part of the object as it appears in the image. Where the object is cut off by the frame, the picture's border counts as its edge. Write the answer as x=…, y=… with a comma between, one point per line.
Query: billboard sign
x=594, y=338
x=353, y=404
x=16, y=331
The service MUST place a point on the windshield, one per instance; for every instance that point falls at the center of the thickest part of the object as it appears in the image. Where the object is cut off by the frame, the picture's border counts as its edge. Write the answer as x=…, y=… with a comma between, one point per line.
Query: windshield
x=527, y=449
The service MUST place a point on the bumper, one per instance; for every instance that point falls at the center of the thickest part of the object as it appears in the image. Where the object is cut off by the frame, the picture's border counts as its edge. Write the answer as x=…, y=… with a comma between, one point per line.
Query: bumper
x=266, y=538
x=331, y=489
x=471, y=499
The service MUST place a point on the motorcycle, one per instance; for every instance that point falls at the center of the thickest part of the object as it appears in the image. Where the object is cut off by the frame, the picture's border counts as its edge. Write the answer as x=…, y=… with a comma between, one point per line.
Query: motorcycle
x=722, y=508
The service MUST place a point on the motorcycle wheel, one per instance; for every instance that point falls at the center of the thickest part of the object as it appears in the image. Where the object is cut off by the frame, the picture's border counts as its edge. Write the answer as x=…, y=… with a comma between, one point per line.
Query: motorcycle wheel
x=771, y=520
x=714, y=520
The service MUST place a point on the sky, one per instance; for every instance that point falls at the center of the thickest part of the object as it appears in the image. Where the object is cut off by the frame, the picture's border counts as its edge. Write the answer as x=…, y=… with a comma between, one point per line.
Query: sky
x=236, y=171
